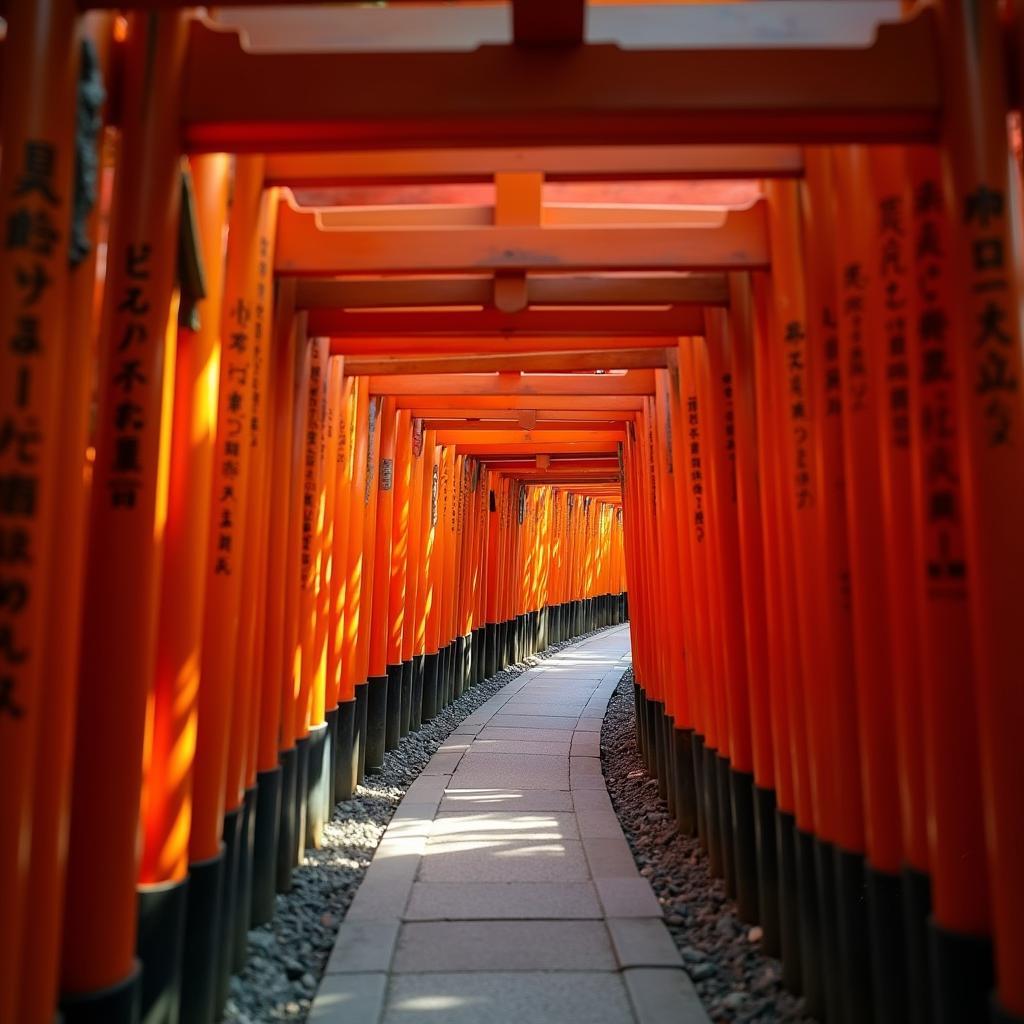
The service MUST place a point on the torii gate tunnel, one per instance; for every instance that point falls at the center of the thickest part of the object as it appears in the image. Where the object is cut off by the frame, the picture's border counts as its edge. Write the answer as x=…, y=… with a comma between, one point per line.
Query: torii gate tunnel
x=348, y=354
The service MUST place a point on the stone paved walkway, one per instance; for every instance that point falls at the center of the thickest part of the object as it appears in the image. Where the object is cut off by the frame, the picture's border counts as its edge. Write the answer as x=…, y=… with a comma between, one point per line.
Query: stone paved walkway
x=503, y=889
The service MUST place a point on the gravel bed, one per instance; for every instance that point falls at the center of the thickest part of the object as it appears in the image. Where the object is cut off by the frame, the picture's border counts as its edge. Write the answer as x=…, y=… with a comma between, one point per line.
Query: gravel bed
x=735, y=981
x=287, y=956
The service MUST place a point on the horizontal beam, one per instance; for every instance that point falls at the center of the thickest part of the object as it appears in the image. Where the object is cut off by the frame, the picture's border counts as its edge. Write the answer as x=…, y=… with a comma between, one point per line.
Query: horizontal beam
x=632, y=382
x=487, y=402
x=492, y=424
x=466, y=215
x=671, y=322
x=554, y=438
x=746, y=92
x=546, y=447
x=571, y=163
x=428, y=345
x=306, y=248
x=533, y=362
x=478, y=290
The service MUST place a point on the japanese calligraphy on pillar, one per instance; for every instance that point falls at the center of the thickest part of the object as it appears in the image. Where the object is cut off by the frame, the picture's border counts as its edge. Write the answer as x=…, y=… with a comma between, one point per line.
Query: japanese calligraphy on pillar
x=830, y=364
x=696, y=474
x=854, y=302
x=995, y=383
x=945, y=558
x=128, y=377
x=314, y=453
x=259, y=321
x=893, y=274
x=236, y=408
x=32, y=237
x=434, y=484
x=729, y=421
x=795, y=352
x=371, y=452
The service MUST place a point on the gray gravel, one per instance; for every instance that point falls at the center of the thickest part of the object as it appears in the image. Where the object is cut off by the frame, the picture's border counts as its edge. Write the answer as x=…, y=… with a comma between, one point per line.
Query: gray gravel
x=735, y=981
x=287, y=956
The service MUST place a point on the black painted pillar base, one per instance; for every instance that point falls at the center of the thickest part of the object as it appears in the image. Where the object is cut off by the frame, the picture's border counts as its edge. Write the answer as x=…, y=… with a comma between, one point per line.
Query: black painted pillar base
x=669, y=725
x=246, y=866
x=264, y=863
x=480, y=655
x=202, y=948
x=345, y=767
x=767, y=870
x=301, y=799
x=854, y=949
x=686, y=797
x=393, y=716
x=331, y=717
x=444, y=657
x=490, y=650
x=416, y=710
x=317, y=795
x=658, y=728
x=359, y=730
x=917, y=909
x=430, y=666
x=711, y=808
x=286, y=824
x=160, y=944
x=119, y=1004
x=232, y=836
x=697, y=747
x=888, y=945
x=376, y=721
x=789, y=901
x=831, y=966
x=999, y=1015
x=741, y=785
x=724, y=770
x=962, y=975
x=405, y=714
x=812, y=966
x=501, y=658
x=459, y=668
x=639, y=719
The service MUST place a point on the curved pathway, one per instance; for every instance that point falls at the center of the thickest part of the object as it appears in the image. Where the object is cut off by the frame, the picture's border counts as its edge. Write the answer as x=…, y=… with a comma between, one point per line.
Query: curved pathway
x=503, y=889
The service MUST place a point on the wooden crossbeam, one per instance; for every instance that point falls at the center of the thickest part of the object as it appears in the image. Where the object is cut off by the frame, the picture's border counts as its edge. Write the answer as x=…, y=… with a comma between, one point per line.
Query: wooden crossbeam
x=744, y=92
x=564, y=290
x=540, y=425
x=424, y=401
x=679, y=321
x=306, y=248
x=575, y=163
x=534, y=362
x=476, y=435
x=431, y=345
x=546, y=447
x=632, y=382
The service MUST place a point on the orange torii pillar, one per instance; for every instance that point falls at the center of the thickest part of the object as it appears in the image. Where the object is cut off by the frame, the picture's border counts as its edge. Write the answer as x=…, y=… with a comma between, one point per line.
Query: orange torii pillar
x=331, y=595
x=289, y=834
x=983, y=200
x=426, y=599
x=99, y=977
x=242, y=760
x=274, y=662
x=380, y=584
x=38, y=303
x=166, y=806
x=313, y=725
x=399, y=677
x=490, y=587
x=215, y=828
x=345, y=766
x=353, y=686
x=411, y=653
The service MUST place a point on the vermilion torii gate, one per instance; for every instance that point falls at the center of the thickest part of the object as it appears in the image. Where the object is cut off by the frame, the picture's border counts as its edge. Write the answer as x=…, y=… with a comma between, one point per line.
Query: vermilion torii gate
x=255, y=501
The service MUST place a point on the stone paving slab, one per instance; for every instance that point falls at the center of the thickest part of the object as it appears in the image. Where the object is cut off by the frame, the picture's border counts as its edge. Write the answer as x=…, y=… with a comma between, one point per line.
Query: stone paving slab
x=504, y=890
x=467, y=901
x=504, y=946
